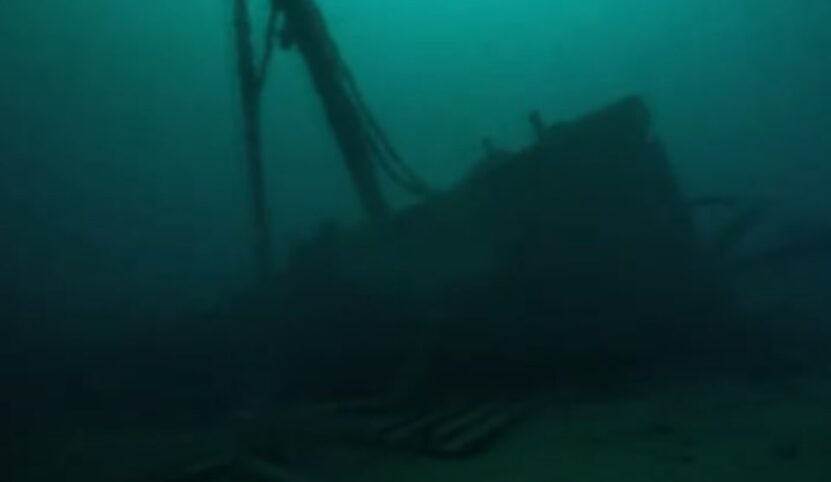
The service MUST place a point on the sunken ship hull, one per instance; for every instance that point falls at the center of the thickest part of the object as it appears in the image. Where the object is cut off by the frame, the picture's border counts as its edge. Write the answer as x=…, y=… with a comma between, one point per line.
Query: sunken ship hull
x=574, y=259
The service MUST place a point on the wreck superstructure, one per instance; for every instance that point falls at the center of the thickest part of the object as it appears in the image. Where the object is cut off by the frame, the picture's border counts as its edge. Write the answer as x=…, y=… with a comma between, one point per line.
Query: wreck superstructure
x=577, y=250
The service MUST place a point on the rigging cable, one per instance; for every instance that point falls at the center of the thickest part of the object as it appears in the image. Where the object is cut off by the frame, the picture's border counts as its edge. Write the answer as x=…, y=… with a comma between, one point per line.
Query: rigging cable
x=378, y=142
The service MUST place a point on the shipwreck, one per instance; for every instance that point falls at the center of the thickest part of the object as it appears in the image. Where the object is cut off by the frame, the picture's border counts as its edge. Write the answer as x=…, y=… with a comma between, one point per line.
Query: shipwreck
x=577, y=263
x=578, y=255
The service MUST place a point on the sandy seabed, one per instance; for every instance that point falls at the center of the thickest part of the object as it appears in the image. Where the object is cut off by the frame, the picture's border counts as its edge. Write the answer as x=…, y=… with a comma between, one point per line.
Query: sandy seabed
x=776, y=429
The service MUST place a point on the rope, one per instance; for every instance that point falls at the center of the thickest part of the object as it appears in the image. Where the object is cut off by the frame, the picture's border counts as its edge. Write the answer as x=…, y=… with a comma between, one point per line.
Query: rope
x=379, y=144
x=387, y=156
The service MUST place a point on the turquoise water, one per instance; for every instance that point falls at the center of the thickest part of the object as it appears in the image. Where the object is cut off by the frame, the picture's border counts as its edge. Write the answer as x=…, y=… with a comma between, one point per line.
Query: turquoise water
x=123, y=187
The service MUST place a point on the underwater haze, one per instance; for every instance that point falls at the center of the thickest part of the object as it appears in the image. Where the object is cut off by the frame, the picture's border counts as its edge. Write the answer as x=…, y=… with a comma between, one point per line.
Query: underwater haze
x=125, y=193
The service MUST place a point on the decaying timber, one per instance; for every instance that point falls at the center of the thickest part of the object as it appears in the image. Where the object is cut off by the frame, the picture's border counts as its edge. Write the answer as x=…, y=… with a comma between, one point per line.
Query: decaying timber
x=291, y=444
